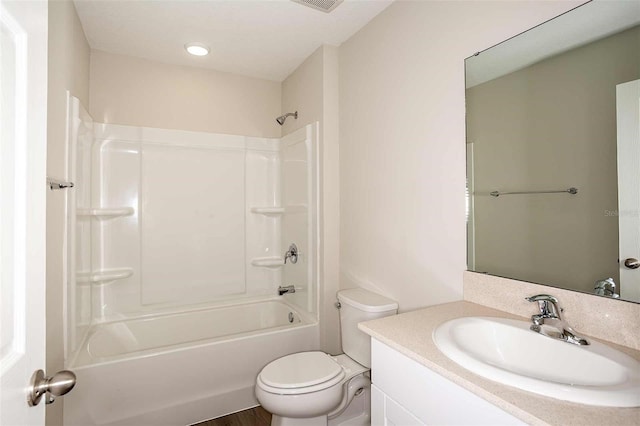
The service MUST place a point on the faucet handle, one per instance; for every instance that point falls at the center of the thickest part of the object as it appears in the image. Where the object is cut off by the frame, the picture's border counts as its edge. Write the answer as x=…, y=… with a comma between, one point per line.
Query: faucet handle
x=542, y=297
x=548, y=305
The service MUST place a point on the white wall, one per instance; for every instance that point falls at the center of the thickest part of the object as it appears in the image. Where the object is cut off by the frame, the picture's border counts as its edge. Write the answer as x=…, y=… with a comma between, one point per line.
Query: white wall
x=312, y=90
x=402, y=142
x=139, y=92
x=68, y=70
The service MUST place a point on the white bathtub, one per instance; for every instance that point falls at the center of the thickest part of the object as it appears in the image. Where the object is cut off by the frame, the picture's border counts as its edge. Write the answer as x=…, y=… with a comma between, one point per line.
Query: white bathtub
x=181, y=368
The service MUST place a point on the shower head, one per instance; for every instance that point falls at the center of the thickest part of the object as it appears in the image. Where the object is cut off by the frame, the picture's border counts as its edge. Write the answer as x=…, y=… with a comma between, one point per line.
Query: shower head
x=282, y=118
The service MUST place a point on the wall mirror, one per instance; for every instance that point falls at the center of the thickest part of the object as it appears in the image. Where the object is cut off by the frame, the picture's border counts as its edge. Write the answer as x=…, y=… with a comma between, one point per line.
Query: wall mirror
x=553, y=153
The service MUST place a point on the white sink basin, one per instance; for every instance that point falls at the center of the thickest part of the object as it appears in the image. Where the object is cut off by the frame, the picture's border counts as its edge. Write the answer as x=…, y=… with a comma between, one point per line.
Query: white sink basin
x=506, y=351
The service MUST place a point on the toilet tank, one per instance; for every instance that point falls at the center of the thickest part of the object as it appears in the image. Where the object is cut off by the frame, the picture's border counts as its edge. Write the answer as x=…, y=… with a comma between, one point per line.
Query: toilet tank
x=358, y=305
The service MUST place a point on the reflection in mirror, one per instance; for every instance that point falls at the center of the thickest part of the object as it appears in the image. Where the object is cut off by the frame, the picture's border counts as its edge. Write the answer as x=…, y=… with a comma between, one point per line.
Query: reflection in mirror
x=553, y=153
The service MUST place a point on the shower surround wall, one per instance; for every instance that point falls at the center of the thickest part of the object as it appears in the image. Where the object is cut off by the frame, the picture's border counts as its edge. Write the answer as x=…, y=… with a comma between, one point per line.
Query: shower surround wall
x=190, y=229
x=175, y=253
x=179, y=218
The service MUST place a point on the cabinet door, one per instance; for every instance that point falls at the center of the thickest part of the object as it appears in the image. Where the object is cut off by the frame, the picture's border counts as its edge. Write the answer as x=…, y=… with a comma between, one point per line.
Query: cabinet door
x=387, y=412
x=431, y=398
x=377, y=406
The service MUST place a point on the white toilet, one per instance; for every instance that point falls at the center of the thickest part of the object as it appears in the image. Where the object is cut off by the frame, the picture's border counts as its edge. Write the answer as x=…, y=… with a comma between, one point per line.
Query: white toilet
x=314, y=388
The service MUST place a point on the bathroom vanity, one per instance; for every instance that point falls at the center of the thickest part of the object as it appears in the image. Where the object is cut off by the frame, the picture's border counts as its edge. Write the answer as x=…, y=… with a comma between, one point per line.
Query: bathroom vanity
x=423, y=396
x=414, y=383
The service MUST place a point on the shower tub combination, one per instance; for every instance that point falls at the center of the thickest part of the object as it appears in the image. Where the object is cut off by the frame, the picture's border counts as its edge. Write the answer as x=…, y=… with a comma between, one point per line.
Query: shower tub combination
x=175, y=243
x=181, y=368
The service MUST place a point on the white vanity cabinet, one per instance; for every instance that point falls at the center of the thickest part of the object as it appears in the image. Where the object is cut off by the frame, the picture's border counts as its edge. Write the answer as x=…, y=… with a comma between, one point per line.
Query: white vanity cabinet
x=406, y=393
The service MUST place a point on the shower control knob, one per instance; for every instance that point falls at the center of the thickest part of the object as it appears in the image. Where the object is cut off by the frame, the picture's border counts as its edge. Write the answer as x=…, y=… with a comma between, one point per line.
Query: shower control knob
x=632, y=263
x=59, y=384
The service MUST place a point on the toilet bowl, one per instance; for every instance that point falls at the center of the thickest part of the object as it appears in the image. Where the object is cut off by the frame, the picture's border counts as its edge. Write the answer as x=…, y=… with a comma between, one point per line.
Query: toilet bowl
x=314, y=388
x=309, y=386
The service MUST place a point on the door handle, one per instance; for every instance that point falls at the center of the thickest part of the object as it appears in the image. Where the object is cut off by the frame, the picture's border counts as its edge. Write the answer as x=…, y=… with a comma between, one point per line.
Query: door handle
x=632, y=263
x=57, y=385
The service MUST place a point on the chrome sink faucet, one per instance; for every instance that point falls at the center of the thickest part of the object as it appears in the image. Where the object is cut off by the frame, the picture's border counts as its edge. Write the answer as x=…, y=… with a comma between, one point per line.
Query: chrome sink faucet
x=606, y=288
x=550, y=315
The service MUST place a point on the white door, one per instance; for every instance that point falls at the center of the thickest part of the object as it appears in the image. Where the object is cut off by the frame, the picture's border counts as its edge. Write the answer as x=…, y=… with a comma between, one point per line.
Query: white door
x=628, y=118
x=23, y=132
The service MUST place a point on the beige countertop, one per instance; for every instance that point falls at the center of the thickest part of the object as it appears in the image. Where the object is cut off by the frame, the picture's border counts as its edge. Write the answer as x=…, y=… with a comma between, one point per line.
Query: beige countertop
x=410, y=334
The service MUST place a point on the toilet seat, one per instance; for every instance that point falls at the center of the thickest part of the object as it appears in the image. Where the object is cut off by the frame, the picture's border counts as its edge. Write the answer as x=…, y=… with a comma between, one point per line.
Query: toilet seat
x=300, y=373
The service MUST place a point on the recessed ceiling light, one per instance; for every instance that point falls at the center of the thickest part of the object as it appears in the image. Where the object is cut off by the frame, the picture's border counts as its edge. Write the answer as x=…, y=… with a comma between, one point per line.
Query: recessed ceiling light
x=197, y=49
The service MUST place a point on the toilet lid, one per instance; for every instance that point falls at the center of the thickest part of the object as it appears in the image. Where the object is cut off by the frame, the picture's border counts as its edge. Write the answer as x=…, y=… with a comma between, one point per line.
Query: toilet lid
x=300, y=370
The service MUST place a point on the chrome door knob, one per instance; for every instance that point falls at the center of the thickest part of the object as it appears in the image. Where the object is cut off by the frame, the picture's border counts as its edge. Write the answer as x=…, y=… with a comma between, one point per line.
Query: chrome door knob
x=57, y=385
x=632, y=263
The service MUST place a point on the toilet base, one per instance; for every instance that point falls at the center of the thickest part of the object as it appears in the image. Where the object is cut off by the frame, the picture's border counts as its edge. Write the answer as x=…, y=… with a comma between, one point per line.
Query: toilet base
x=357, y=414
x=290, y=421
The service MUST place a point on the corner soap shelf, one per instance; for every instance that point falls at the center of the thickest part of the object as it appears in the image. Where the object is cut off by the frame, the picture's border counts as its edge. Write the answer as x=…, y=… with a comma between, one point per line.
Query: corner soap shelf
x=106, y=213
x=103, y=275
x=268, y=262
x=276, y=211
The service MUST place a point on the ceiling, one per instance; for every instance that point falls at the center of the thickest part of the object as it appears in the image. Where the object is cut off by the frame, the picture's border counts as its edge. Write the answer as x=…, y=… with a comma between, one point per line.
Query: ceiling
x=258, y=38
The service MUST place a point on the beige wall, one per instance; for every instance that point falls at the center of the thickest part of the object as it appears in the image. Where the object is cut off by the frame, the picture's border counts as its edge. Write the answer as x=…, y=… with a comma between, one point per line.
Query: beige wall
x=302, y=92
x=312, y=90
x=330, y=201
x=68, y=70
x=139, y=92
x=551, y=126
x=402, y=142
